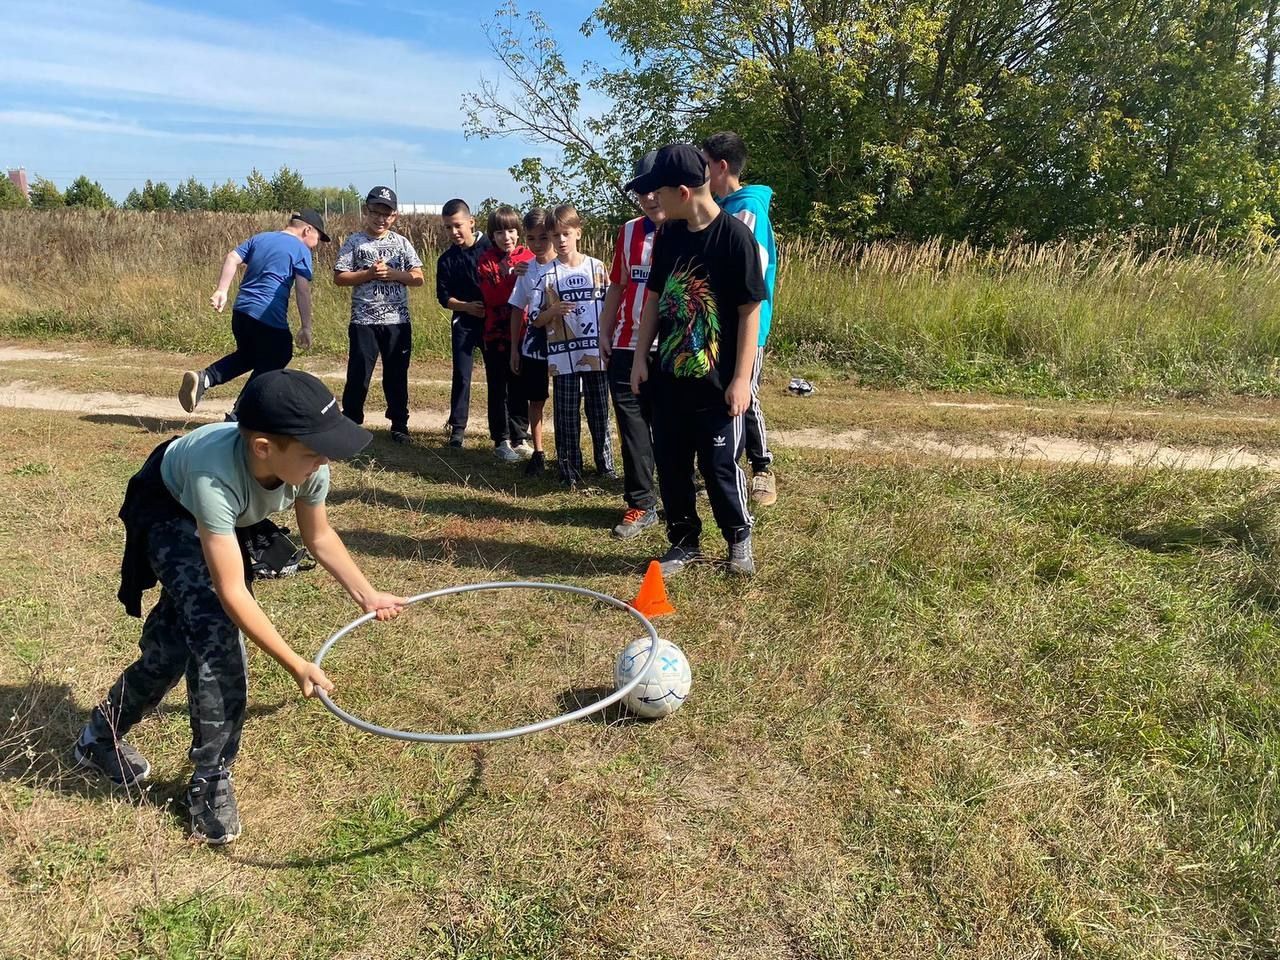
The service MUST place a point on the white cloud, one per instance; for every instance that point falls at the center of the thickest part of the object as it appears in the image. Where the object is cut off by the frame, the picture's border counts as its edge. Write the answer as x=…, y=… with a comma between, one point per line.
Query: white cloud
x=289, y=69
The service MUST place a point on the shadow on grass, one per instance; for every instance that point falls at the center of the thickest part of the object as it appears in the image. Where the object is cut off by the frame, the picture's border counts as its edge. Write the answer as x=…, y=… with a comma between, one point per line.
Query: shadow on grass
x=419, y=831
x=614, y=715
x=155, y=425
x=499, y=556
x=581, y=514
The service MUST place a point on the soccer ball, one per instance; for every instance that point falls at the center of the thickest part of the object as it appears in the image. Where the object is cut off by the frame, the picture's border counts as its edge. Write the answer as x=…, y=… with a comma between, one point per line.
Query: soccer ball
x=664, y=688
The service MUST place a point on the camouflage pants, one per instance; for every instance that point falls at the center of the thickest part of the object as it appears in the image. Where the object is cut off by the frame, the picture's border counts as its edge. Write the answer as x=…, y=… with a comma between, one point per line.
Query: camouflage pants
x=188, y=632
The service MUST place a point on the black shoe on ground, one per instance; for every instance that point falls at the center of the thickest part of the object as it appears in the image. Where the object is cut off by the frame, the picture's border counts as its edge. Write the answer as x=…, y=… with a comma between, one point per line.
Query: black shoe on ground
x=607, y=475
x=677, y=558
x=455, y=439
x=215, y=818
x=402, y=437
x=116, y=760
x=537, y=464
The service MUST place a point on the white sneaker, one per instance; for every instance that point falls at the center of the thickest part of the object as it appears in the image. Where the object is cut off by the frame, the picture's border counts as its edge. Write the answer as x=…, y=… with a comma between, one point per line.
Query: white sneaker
x=524, y=450
x=504, y=452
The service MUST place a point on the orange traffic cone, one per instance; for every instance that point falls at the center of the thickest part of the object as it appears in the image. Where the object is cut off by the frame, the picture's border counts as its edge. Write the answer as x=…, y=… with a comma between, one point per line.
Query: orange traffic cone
x=652, y=599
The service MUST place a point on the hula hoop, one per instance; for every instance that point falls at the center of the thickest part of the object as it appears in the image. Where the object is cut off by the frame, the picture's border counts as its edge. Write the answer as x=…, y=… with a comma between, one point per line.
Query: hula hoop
x=491, y=735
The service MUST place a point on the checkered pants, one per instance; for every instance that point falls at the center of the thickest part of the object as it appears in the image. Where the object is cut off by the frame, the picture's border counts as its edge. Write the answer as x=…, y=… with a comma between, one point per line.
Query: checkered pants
x=569, y=391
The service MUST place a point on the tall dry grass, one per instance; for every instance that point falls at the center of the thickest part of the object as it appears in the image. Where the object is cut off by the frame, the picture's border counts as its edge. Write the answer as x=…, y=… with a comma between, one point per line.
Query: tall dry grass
x=1188, y=313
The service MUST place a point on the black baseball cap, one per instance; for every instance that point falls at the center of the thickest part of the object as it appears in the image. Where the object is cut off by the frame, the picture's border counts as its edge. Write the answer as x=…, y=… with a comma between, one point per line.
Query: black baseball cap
x=295, y=404
x=675, y=165
x=312, y=218
x=383, y=195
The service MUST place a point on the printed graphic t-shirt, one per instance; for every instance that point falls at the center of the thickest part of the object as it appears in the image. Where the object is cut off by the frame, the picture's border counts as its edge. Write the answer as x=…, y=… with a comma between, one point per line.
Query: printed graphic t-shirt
x=527, y=296
x=573, y=342
x=207, y=471
x=271, y=261
x=378, y=301
x=701, y=278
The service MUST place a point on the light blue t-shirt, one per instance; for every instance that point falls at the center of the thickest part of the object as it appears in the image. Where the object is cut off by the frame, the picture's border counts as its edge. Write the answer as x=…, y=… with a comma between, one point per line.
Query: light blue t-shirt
x=750, y=204
x=207, y=471
x=271, y=261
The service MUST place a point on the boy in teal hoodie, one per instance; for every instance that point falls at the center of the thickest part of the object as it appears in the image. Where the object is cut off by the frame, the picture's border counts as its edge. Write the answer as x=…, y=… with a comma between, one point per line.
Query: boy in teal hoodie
x=726, y=155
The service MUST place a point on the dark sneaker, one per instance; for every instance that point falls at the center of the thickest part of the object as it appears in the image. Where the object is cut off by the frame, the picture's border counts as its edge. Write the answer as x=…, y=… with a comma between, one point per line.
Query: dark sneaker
x=537, y=464
x=634, y=522
x=192, y=389
x=677, y=558
x=606, y=474
x=741, y=561
x=215, y=819
x=114, y=759
x=455, y=439
x=764, y=489
x=402, y=437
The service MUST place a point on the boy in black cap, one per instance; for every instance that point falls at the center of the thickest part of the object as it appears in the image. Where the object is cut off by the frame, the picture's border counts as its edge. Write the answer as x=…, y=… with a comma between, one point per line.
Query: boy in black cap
x=273, y=262
x=381, y=265
x=705, y=287
x=182, y=513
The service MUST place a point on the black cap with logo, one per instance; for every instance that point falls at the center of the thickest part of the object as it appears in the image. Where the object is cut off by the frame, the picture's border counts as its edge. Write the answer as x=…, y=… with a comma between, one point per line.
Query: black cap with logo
x=675, y=165
x=383, y=195
x=313, y=219
x=295, y=404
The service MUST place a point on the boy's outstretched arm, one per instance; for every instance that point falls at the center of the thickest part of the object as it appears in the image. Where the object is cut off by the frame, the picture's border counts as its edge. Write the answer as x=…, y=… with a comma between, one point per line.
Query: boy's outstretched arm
x=331, y=553
x=226, y=570
x=229, y=265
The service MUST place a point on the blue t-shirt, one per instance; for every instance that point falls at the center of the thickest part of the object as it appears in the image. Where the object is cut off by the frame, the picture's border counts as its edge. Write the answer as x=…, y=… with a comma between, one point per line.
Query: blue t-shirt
x=271, y=261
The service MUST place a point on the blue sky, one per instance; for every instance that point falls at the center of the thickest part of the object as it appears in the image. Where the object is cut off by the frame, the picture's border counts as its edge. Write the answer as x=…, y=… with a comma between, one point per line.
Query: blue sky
x=124, y=90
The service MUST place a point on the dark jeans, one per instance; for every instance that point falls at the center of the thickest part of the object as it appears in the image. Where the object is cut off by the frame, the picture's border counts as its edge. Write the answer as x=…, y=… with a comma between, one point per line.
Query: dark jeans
x=187, y=633
x=258, y=348
x=508, y=409
x=693, y=421
x=394, y=343
x=635, y=428
x=468, y=336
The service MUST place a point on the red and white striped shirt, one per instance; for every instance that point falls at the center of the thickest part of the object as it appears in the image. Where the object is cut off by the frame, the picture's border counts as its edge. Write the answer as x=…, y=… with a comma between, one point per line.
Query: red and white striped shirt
x=631, y=258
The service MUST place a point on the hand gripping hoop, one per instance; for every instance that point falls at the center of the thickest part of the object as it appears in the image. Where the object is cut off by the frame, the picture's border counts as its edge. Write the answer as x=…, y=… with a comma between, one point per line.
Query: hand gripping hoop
x=487, y=736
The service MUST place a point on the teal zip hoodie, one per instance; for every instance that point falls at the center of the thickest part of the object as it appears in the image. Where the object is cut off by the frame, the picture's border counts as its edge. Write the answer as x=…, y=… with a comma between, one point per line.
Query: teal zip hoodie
x=750, y=204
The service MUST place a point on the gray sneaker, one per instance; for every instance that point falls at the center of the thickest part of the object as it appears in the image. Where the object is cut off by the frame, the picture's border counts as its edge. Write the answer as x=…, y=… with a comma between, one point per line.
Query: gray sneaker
x=635, y=522
x=677, y=558
x=741, y=561
x=504, y=452
x=114, y=759
x=192, y=389
x=215, y=818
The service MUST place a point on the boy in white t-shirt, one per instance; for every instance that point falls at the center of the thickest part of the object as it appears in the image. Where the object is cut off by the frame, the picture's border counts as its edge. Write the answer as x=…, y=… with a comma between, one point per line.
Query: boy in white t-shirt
x=572, y=291
x=529, y=341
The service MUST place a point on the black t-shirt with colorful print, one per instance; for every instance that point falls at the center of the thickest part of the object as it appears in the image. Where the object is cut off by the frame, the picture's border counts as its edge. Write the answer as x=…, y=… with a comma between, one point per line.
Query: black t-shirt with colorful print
x=701, y=278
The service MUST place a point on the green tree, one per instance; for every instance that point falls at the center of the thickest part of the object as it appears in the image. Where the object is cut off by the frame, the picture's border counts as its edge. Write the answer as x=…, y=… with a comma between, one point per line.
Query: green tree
x=228, y=198
x=152, y=197
x=84, y=192
x=258, y=194
x=11, y=198
x=45, y=194
x=191, y=195
x=288, y=190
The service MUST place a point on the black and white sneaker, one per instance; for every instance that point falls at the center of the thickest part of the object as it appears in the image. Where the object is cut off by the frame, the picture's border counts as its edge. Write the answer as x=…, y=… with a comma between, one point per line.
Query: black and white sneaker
x=677, y=558
x=194, y=384
x=116, y=760
x=215, y=818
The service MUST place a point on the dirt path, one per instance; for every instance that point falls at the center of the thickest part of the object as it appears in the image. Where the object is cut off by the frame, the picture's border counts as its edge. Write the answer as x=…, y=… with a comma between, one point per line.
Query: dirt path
x=1003, y=445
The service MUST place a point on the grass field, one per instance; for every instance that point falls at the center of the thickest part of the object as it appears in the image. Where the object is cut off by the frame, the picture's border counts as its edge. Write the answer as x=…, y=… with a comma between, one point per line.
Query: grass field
x=964, y=711
x=1089, y=318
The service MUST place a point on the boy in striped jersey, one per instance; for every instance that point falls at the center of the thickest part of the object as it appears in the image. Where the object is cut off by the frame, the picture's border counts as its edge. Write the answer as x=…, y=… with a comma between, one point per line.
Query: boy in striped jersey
x=620, y=321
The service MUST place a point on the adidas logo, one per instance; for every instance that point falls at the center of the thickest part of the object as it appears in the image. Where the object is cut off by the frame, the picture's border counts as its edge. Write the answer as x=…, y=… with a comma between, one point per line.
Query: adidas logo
x=718, y=441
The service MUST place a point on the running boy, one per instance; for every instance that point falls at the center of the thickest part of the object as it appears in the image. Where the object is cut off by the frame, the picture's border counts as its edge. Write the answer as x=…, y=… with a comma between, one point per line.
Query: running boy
x=273, y=261
x=727, y=155
x=182, y=512
x=705, y=314
x=573, y=291
x=621, y=319
x=529, y=359
x=508, y=412
x=458, y=290
x=380, y=265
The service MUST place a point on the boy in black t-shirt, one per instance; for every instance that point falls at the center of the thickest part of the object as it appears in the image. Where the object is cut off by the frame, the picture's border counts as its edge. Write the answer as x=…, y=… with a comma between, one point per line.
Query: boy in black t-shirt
x=704, y=293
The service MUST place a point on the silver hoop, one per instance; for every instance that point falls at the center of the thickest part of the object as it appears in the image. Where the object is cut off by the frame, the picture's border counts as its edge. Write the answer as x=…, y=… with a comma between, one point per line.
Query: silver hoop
x=491, y=735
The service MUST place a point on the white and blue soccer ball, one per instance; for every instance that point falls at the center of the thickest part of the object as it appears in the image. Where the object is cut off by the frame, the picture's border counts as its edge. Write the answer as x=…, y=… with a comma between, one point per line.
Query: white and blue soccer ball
x=665, y=686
